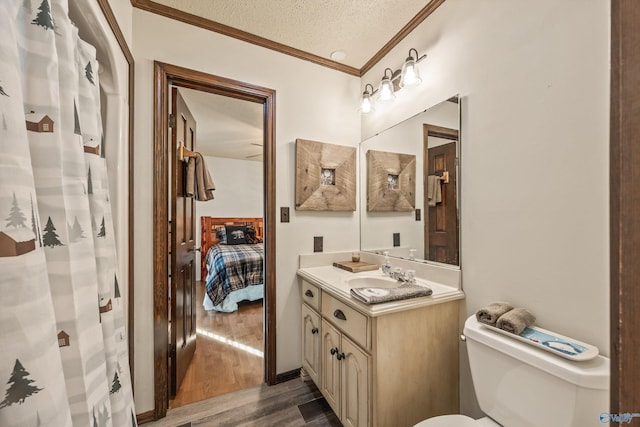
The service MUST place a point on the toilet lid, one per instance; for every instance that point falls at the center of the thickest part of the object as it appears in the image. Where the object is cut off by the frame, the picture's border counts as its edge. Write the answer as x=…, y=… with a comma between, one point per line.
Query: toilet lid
x=449, y=421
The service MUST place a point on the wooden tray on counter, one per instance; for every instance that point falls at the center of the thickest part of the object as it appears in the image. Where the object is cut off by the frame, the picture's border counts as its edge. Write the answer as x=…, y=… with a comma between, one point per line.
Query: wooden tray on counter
x=355, y=267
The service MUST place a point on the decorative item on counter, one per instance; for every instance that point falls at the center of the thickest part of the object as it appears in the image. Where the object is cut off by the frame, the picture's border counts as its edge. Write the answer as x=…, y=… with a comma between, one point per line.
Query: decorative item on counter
x=355, y=256
x=386, y=265
x=355, y=267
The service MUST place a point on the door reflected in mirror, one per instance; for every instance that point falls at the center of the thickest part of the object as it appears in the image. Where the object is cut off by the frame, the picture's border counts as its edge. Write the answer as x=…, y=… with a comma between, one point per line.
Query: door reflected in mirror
x=430, y=232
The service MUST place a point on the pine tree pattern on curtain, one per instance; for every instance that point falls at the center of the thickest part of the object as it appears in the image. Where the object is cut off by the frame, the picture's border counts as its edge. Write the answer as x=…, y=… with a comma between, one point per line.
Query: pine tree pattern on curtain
x=63, y=356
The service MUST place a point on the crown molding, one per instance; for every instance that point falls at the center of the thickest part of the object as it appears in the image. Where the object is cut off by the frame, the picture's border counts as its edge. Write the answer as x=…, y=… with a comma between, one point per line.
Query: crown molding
x=207, y=24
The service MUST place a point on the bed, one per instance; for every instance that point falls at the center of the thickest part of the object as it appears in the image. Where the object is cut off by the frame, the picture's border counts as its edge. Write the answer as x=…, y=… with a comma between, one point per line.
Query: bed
x=232, y=264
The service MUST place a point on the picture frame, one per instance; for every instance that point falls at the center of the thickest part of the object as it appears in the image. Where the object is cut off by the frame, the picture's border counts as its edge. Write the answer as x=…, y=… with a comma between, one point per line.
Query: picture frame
x=325, y=176
x=391, y=181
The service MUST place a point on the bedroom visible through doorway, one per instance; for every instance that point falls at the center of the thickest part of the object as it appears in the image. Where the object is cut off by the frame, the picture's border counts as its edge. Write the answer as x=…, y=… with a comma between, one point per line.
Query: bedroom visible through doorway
x=229, y=231
x=165, y=154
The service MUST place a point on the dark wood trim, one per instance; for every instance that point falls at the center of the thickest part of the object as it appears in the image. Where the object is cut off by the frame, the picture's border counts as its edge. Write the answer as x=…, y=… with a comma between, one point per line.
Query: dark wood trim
x=287, y=376
x=160, y=240
x=624, y=205
x=164, y=76
x=145, y=417
x=207, y=24
x=115, y=28
x=411, y=25
x=440, y=132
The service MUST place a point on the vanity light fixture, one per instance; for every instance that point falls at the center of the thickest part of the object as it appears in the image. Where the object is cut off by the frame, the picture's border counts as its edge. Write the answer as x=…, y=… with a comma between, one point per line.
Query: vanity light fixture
x=409, y=76
x=386, y=90
x=366, y=105
x=410, y=72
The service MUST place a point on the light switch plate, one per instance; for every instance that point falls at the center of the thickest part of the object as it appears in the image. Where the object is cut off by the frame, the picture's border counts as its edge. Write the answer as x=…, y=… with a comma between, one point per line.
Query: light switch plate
x=418, y=214
x=396, y=239
x=317, y=244
x=284, y=214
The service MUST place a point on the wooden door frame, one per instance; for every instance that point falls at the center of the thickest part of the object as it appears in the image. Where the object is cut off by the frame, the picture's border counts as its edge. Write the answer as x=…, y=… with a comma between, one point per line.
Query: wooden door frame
x=166, y=75
x=624, y=205
x=452, y=135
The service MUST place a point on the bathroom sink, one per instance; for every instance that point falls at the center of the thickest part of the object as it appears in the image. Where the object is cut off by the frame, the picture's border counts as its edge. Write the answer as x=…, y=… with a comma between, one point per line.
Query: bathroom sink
x=372, y=282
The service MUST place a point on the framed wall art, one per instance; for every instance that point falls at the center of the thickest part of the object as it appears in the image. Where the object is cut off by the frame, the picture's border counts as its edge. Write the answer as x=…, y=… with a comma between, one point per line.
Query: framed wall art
x=325, y=176
x=391, y=181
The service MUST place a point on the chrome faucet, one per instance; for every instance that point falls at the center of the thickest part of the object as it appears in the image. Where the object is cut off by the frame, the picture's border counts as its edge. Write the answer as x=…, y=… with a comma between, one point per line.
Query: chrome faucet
x=408, y=276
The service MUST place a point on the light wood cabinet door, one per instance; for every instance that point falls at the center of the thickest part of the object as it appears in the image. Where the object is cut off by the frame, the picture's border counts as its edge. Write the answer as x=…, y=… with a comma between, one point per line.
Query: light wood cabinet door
x=311, y=345
x=330, y=366
x=354, y=384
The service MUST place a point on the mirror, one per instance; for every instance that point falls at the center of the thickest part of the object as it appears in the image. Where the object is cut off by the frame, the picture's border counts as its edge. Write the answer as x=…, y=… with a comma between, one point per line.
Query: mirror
x=427, y=231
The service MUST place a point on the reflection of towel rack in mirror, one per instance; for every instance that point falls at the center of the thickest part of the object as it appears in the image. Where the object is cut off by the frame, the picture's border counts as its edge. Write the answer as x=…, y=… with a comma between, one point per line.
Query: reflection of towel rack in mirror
x=444, y=178
x=184, y=153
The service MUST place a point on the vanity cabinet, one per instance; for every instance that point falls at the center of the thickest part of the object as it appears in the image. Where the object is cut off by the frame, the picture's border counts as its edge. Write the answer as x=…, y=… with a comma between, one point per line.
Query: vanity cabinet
x=380, y=369
x=311, y=342
x=345, y=377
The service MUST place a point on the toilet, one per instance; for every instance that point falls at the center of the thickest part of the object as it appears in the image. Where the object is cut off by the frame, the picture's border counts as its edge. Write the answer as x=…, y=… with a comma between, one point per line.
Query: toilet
x=519, y=385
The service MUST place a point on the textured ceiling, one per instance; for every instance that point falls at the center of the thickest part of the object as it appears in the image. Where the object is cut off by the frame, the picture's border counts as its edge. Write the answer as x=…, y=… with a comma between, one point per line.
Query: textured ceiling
x=360, y=28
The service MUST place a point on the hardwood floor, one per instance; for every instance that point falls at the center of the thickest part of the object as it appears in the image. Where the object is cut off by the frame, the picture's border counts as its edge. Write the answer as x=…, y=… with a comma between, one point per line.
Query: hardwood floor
x=292, y=403
x=228, y=354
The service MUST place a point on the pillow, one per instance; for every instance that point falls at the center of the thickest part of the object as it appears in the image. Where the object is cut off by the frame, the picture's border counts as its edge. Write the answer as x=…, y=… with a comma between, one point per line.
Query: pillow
x=251, y=234
x=221, y=234
x=236, y=234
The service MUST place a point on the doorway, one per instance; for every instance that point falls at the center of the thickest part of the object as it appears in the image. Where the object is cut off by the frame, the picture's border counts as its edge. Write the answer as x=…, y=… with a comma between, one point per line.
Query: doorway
x=229, y=353
x=167, y=76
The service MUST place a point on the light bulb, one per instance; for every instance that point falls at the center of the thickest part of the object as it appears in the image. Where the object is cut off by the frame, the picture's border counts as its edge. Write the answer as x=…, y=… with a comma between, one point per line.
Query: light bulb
x=386, y=90
x=410, y=73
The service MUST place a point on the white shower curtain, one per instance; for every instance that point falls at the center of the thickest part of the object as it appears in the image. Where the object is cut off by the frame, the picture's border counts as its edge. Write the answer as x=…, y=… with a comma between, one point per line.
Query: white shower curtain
x=63, y=347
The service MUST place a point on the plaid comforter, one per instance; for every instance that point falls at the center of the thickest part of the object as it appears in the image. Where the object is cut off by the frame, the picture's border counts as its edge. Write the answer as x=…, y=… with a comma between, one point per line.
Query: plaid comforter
x=233, y=267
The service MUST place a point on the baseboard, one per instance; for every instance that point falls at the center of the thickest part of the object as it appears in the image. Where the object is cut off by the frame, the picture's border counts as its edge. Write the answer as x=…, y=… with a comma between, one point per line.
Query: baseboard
x=287, y=376
x=145, y=417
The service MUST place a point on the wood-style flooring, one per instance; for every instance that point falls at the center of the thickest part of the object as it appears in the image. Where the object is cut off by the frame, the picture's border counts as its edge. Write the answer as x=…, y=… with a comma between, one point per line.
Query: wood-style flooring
x=228, y=354
x=289, y=404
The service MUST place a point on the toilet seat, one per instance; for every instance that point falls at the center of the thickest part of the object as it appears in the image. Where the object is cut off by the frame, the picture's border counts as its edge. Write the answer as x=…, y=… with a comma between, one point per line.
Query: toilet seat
x=449, y=421
x=457, y=421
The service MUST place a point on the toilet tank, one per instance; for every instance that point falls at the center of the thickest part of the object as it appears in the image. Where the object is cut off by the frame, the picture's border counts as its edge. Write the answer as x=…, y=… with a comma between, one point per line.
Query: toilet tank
x=519, y=385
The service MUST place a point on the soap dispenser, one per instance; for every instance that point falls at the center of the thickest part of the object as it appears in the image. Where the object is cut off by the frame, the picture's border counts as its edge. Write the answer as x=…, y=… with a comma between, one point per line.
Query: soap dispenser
x=386, y=265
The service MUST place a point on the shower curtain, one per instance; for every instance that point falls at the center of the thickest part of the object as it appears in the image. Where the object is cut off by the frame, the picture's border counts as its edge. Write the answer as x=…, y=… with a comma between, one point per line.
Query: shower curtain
x=63, y=347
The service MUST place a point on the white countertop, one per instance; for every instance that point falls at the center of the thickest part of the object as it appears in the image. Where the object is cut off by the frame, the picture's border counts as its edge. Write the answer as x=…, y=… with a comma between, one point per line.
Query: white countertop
x=335, y=281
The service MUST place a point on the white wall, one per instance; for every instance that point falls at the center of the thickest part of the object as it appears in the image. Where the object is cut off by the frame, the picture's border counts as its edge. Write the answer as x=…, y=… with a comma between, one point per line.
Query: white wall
x=238, y=193
x=312, y=102
x=534, y=81
x=122, y=10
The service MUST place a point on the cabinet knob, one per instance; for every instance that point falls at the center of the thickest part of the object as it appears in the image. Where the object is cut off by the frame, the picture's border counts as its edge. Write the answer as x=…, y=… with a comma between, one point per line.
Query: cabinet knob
x=309, y=293
x=339, y=314
x=333, y=350
x=314, y=330
x=340, y=356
